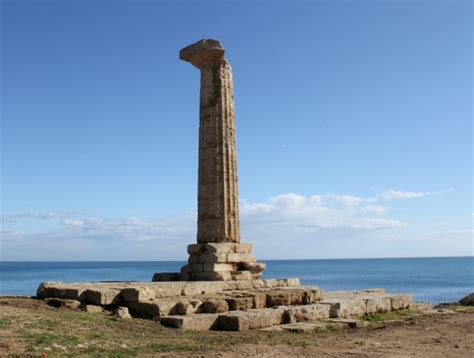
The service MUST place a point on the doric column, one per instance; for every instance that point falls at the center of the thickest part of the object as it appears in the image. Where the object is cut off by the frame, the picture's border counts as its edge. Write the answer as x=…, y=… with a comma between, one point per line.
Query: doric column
x=218, y=254
x=218, y=211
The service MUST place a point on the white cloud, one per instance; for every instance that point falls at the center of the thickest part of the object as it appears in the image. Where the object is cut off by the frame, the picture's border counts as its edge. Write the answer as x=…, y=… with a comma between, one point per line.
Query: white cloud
x=52, y=215
x=375, y=209
x=397, y=195
x=287, y=225
x=310, y=213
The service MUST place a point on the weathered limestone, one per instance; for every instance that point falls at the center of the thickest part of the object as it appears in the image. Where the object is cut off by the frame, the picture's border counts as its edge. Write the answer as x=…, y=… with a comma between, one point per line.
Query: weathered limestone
x=253, y=319
x=219, y=255
x=218, y=212
x=293, y=296
x=201, y=322
x=378, y=304
x=307, y=313
x=399, y=302
x=122, y=313
x=345, y=307
x=226, y=305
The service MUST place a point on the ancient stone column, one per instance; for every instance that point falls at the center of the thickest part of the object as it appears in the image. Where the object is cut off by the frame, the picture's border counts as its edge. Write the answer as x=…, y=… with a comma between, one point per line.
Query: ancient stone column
x=218, y=211
x=218, y=254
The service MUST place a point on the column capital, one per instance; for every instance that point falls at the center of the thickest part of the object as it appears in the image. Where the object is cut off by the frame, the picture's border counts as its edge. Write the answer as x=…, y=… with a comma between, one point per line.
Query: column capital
x=202, y=53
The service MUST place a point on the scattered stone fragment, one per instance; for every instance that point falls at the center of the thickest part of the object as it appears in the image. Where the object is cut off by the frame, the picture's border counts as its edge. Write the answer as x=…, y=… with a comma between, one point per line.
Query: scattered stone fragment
x=93, y=309
x=122, y=312
x=63, y=303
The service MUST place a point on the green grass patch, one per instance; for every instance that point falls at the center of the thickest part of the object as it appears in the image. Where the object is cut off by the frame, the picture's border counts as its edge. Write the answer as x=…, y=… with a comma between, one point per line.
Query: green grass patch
x=112, y=352
x=5, y=322
x=81, y=316
x=42, y=338
x=47, y=339
x=387, y=316
x=95, y=335
x=177, y=346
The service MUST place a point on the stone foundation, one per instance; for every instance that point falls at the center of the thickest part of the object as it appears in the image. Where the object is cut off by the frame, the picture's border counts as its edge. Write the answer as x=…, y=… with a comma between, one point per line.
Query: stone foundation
x=226, y=305
x=217, y=262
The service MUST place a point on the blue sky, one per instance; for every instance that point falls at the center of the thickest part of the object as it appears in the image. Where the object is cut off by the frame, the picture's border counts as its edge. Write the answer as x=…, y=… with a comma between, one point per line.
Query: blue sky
x=354, y=127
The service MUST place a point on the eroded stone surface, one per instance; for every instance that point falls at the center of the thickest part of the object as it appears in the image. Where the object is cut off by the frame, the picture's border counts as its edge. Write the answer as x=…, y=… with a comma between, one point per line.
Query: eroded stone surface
x=399, y=302
x=239, y=305
x=199, y=322
x=218, y=255
x=307, y=313
x=252, y=319
x=345, y=307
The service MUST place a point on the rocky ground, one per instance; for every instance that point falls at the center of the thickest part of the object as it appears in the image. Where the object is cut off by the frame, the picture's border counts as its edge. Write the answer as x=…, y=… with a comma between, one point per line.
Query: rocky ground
x=29, y=327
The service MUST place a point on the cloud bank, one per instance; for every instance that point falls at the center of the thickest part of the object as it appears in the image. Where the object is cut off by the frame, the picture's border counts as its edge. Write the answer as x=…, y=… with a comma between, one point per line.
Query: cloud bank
x=287, y=225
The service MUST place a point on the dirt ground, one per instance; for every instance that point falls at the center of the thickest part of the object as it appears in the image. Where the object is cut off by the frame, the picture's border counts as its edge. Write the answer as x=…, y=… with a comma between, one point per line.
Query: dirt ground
x=31, y=328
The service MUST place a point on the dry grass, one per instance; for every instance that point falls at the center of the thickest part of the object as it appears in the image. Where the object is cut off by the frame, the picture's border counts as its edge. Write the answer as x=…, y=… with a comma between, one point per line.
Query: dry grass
x=30, y=327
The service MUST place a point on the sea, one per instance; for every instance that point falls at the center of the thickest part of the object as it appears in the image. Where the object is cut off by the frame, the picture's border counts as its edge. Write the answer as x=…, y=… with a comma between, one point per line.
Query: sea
x=436, y=280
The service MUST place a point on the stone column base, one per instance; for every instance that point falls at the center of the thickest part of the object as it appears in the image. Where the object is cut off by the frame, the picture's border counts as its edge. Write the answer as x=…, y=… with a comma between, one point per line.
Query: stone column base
x=217, y=262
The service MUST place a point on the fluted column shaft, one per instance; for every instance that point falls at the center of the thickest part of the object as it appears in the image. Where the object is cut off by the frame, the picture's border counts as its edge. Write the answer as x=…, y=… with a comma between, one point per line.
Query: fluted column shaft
x=218, y=211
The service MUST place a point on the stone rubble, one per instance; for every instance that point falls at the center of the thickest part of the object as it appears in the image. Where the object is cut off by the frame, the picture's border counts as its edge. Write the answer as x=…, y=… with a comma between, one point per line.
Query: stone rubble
x=224, y=305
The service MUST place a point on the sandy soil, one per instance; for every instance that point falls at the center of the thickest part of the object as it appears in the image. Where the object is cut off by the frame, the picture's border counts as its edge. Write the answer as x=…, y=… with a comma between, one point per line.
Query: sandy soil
x=30, y=327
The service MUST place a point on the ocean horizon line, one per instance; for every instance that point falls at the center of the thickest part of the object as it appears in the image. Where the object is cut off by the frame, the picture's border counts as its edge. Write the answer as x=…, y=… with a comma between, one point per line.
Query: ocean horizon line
x=279, y=259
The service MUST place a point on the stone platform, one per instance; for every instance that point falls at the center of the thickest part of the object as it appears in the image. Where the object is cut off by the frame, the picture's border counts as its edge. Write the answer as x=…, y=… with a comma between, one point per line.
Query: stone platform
x=227, y=305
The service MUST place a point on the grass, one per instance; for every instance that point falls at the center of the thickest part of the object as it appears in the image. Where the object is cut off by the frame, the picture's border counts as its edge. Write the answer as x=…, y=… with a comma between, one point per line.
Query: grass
x=387, y=316
x=5, y=322
x=62, y=332
x=43, y=339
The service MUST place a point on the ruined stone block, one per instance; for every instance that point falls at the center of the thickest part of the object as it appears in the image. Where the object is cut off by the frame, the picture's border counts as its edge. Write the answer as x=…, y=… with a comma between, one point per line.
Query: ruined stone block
x=346, y=307
x=102, y=296
x=378, y=304
x=254, y=267
x=214, y=305
x=187, y=307
x=152, y=291
x=197, y=322
x=292, y=296
x=307, y=313
x=240, y=257
x=60, y=290
x=203, y=287
x=242, y=275
x=211, y=276
x=252, y=319
x=155, y=308
x=399, y=302
x=214, y=267
x=63, y=303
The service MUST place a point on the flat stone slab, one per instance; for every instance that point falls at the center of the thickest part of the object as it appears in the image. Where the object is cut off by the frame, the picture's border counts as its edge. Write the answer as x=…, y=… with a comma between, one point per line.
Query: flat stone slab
x=251, y=319
x=201, y=322
x=106, y=293
x=357, y=303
